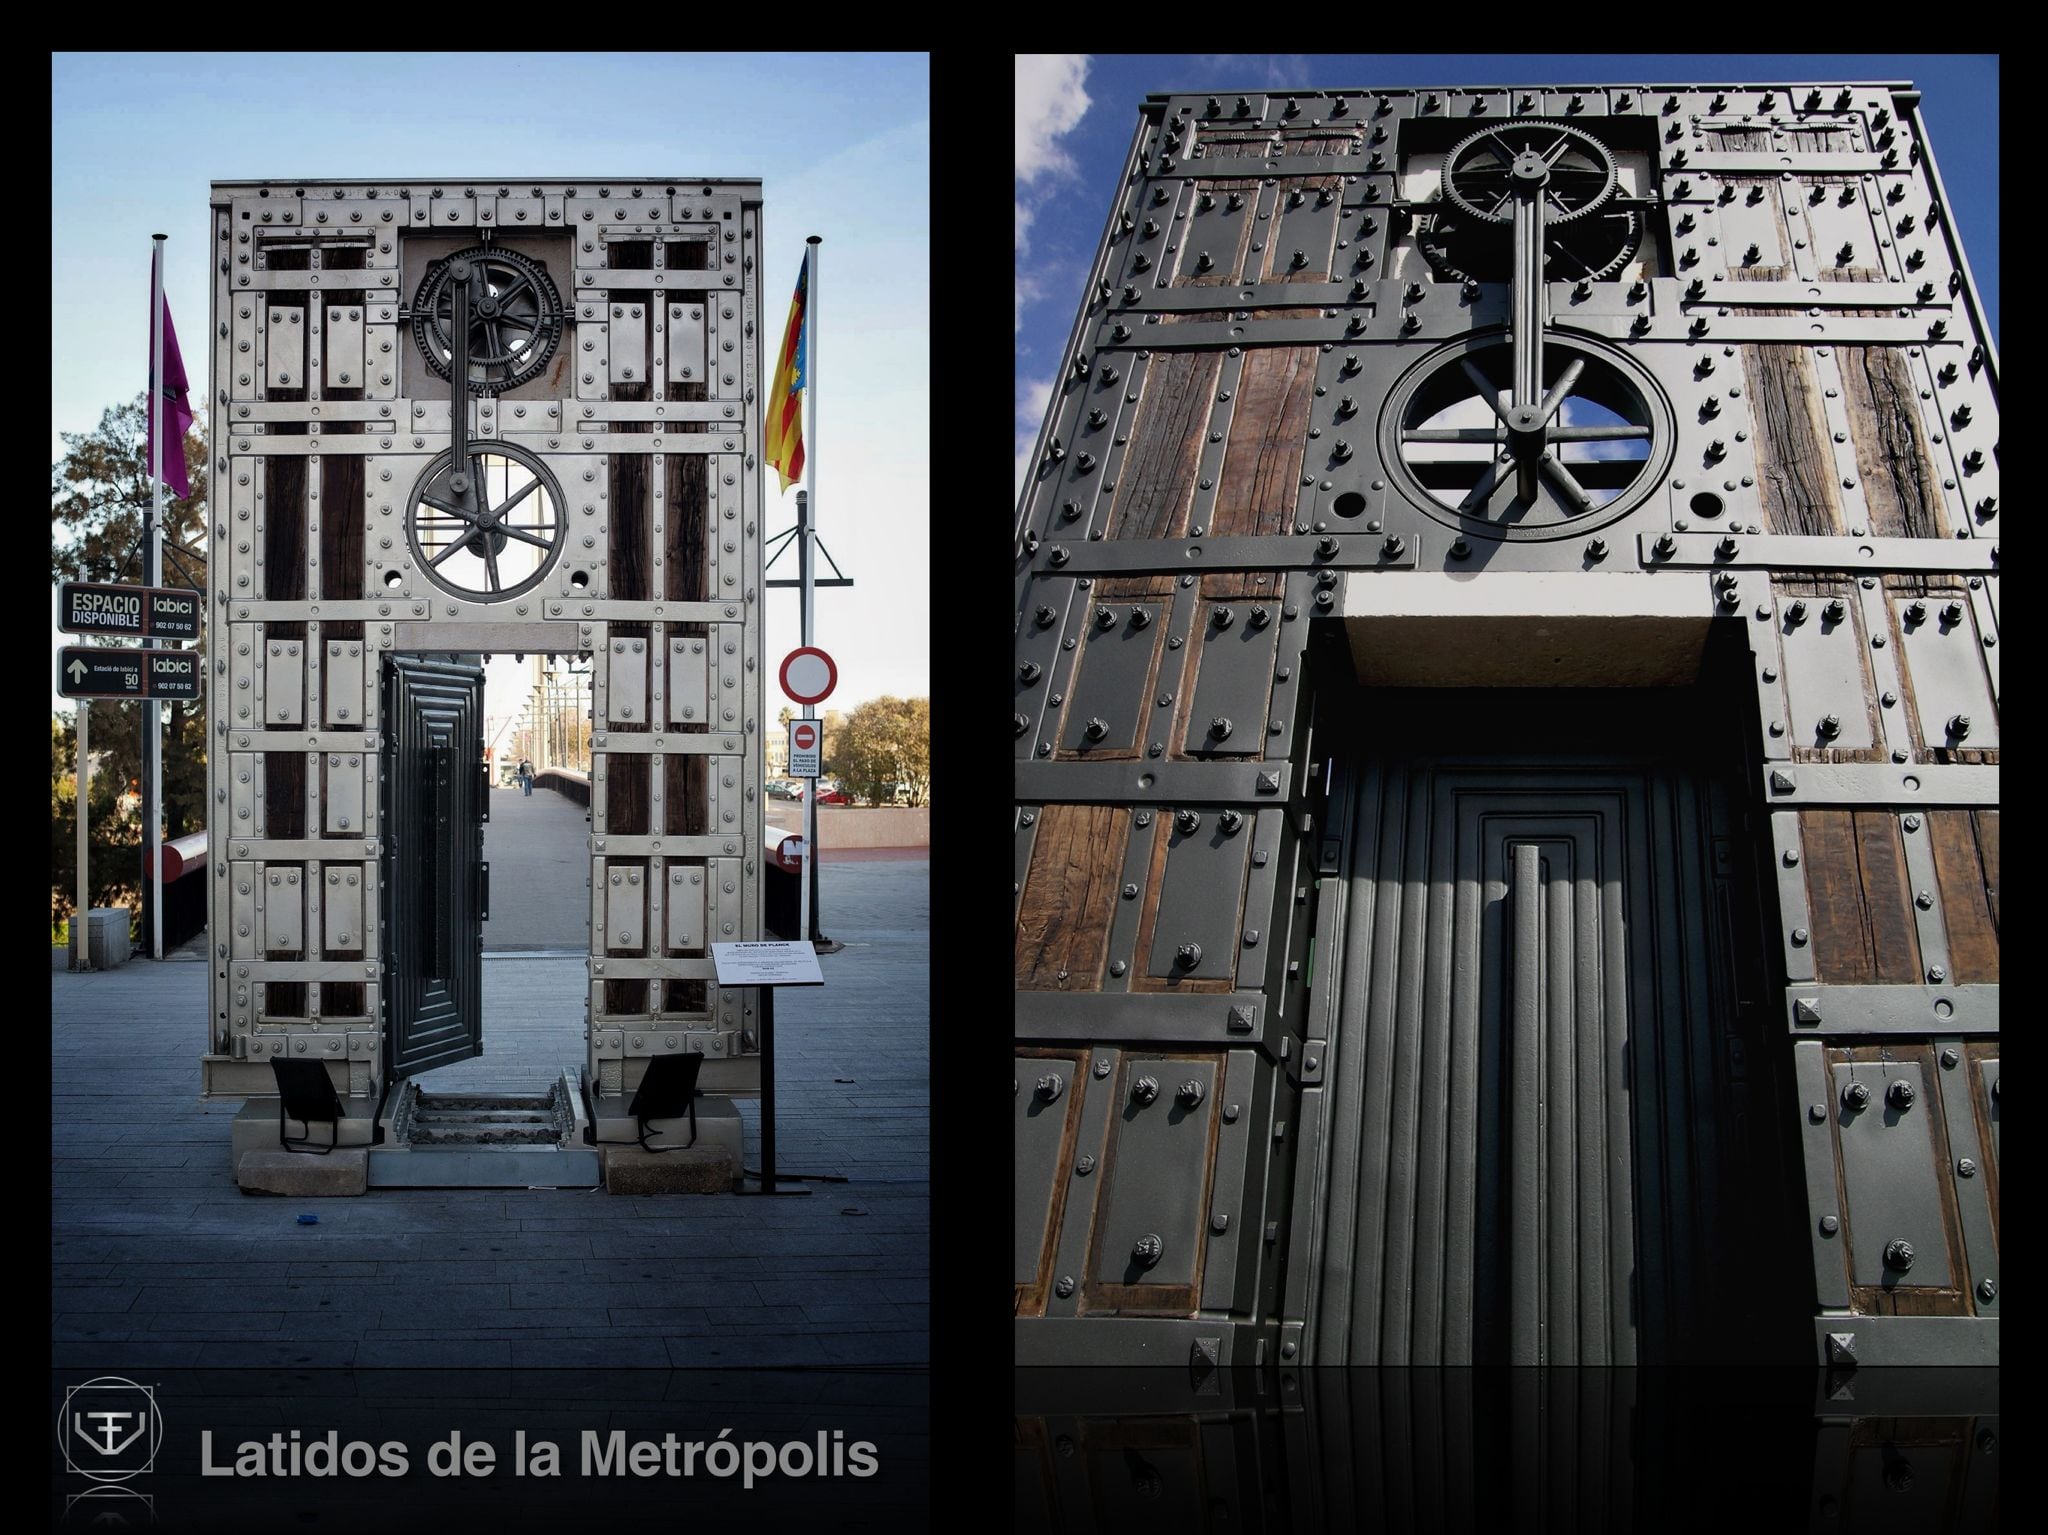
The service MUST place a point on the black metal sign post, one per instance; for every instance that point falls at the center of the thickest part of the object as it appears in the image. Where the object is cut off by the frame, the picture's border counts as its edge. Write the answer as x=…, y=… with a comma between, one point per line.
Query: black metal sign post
x=85, y=671
x=765, y=966
x=133, y=612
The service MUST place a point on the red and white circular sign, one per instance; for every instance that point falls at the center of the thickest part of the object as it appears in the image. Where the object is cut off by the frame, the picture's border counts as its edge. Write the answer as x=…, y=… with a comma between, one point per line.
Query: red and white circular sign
x=808, y=675
x=805, y=735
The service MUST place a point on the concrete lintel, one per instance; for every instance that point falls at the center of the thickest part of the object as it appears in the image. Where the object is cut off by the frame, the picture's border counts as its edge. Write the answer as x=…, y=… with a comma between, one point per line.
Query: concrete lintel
x=1526, y=628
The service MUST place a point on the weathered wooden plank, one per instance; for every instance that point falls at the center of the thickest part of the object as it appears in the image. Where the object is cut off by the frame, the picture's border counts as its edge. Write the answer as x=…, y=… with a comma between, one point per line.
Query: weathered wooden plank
x=1157, y=481
x=1834, y=898
x=1794, y=463
x=1965, y=895
x=1887, y=897
x=1268, y=435
x=1986, y=828
x=1899, y=479
x=1069, y=898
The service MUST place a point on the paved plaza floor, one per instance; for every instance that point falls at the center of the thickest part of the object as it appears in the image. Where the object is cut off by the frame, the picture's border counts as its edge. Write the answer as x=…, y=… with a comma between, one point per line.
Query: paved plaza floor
x=160, y=1260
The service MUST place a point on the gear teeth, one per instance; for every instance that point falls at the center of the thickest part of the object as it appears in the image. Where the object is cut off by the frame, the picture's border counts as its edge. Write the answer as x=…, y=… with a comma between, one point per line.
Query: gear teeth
x=503, y=369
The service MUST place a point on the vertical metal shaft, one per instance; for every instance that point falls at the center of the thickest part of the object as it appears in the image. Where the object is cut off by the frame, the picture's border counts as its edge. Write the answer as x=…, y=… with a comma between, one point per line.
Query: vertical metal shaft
x=1528, y=328
x=81, y=923
x=152, y=571
x=807, y=879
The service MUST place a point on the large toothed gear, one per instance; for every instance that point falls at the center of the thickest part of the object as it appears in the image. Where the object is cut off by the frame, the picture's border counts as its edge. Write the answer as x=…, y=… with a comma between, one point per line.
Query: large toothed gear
x=1479, y=175
x=515, y=317
x=1599, y=248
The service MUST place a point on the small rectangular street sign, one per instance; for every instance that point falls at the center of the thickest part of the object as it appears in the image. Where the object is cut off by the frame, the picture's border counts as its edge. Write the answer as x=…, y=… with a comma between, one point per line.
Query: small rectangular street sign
x=90, y=672
x=791, y=963
x=806, y=742
x=142, y=612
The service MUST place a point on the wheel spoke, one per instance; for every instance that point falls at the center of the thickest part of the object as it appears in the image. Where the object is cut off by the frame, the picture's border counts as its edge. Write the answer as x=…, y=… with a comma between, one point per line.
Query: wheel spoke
x=1451, y=434
x=1560, y=390
x=525, y=538
x=1562, y=478
x=1506, y=151
x=459, y=543
x=1600, y=434
x=451, y=508
x=491, y=564
x=1482, y=492
x=1487, y=391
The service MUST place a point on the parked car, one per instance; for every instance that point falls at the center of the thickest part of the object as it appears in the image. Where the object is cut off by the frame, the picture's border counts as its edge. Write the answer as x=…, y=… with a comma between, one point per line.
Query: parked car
x=782, y=788
x=832, y=794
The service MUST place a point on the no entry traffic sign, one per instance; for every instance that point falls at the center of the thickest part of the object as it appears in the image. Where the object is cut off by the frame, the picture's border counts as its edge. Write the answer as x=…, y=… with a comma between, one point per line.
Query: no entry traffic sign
x=803, y=748
x=87, y=672
x=808, y=675
x=99, y=607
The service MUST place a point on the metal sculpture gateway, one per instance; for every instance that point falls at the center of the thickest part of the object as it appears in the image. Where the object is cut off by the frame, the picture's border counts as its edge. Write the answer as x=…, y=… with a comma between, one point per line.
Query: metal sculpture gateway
x=454, y=419
x=1506, y=711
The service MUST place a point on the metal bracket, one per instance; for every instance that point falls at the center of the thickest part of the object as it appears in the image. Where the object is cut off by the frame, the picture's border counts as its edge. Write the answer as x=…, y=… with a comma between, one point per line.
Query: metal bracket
x=1156, y=782
x=1795, y=551
x=1880, y=783
x=1846, y=1011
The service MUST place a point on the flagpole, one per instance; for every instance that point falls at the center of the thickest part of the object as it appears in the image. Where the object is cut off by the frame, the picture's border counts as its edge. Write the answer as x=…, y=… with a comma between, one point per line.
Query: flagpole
x=806, y=507
x=81, y=919
x=152, y=711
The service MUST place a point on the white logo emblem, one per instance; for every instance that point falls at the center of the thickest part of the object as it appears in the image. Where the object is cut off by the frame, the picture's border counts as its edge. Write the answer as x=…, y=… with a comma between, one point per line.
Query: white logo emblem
x=110, y=1429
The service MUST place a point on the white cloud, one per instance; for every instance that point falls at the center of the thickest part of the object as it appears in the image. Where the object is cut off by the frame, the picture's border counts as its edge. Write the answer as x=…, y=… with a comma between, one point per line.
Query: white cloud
x=1051, y=101
x=1033, y=396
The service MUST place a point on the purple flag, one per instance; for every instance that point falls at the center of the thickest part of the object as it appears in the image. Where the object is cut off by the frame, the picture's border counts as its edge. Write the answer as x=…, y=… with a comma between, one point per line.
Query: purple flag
x=175, y=407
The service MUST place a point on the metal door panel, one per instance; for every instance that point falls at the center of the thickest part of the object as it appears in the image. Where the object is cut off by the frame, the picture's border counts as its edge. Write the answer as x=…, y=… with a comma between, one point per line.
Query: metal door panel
x=245, y=794
x=1945, y=666
x=344, y=796
x=431, y=860
x=628, y=355
x=625, y=909
x=1200, y=895
x=688, y=668
x=1048, y=1102
x=342, y=912
x=1889, y=1172
x=282, y=909
x=1158, y=1174
x=284, y=682
x=284, y=349
x=1233, y=680
x=685, y=907
x=344, y=347
x=686, y=343
x=1307, y=229
x=1825, y=674
x=1112, y=686
x=1216, y=229
x=626, y=694
x=343, y=683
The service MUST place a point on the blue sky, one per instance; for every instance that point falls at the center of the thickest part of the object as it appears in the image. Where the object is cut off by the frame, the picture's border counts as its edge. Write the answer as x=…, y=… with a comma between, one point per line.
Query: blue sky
x=841, y=142
x=1076, y=114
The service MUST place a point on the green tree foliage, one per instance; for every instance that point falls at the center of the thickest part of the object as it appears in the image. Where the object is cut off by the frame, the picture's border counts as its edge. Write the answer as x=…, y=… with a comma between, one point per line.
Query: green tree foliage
x=99, y=491
x=883, y=743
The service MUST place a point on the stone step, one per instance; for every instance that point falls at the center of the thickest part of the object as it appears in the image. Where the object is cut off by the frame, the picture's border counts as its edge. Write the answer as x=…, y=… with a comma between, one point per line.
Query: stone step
x=484, y=1167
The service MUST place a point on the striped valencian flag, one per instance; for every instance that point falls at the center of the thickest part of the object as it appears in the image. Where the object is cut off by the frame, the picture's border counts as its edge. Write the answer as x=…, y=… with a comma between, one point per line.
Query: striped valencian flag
x=785, y=412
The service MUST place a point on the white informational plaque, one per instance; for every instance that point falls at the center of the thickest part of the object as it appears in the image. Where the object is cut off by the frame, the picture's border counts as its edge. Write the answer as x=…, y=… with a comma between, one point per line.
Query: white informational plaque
x=791, y=963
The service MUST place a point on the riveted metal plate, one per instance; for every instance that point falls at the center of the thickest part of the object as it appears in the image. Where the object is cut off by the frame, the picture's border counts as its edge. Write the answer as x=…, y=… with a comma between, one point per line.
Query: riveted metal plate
x=685, y=906
x=1889, y=1173
x=688, y=667
x=284, y=348
x=1987, y=1083
x=1158, y=1175
x=1797, y=551
x=284, y=681
x=685, y=343
x=281, y=910
x=342, y=911
x=1200, y=897
x=1881, y=783
x=1836, y=1011
x=1945, y=667
x=1044, y=1130
x=344, y=347
x=1233, y=679
x=626, y=697
x=245, y=794
x=342, y=686
x=345, y=778
x=1216, y=230
x=1825, y=675
x=1113, y=684
x=625, y=909
x=628, y=342
x=1158, y=1018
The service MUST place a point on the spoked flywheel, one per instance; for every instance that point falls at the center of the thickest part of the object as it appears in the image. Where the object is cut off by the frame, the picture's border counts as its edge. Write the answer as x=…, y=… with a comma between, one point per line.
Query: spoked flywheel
x=515, y=317
x=491, y=531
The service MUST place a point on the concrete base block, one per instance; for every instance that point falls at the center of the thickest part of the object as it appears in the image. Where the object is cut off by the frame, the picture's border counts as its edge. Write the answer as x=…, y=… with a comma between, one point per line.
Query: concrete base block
x=307, y=1177
x=699, y=1169
x=254, y=1127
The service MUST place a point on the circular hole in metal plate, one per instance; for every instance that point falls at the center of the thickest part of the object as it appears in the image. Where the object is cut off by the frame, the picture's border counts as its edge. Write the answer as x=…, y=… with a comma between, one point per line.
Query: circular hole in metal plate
x=1706, y=504
x=1943, y=1008
x=1350, y=504
x=1909, y=782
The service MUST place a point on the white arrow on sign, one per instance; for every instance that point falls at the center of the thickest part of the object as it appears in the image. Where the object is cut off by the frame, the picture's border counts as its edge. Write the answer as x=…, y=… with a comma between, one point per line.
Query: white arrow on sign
x=77, y=670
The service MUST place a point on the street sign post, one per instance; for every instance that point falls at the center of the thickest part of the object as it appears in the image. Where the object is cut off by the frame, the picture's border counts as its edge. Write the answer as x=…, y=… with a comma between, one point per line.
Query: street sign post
x=90, y=672
x=136, y=612
x=804, y=753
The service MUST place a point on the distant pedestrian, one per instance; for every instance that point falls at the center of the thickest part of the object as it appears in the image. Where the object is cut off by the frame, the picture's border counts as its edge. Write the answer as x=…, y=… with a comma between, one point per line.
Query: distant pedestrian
x=526, y=777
